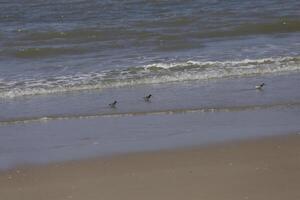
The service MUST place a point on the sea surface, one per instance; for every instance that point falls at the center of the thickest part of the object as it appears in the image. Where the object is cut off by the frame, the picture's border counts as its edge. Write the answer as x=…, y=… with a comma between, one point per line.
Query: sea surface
x=63, y=61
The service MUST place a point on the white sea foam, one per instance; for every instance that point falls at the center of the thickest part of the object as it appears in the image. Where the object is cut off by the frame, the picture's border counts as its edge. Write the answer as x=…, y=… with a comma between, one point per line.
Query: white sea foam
x=149, y=74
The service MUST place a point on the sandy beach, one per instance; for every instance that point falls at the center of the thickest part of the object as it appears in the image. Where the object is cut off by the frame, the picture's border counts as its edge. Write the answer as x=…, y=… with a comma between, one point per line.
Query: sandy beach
x=267, y=168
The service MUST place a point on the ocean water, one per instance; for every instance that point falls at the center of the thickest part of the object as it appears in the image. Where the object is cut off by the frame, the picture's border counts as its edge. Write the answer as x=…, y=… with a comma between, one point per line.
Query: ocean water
x=68, y=59
x=50, y=47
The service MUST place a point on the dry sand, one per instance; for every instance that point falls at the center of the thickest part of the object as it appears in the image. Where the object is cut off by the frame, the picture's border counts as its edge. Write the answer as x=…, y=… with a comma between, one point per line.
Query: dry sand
x=266, y=169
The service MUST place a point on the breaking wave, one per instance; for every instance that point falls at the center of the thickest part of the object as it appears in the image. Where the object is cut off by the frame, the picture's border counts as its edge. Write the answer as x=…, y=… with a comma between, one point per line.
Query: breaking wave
x=148, y=74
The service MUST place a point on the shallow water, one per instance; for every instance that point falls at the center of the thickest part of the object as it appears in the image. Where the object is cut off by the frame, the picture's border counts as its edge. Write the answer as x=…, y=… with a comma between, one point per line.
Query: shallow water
x=236, y=93
x=74, y=126
x=61, y=140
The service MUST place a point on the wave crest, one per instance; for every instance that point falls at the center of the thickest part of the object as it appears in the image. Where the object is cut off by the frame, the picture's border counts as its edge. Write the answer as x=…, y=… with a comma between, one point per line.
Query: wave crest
x=149, y=74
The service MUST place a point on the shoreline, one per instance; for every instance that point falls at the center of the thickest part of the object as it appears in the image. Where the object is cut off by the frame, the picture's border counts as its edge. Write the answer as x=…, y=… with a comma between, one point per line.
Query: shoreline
x=265, y=168
x=216, y=109
x=171, y=150
x=76, y=139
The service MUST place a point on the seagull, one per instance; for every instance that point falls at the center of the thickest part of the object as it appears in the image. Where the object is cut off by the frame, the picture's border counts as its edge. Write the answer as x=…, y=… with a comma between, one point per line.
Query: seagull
x=113, y=104
x=259, y=87
x=147, y=98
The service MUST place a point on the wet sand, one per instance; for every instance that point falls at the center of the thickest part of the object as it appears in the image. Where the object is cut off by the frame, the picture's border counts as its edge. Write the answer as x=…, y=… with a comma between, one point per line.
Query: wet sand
x=257, y=169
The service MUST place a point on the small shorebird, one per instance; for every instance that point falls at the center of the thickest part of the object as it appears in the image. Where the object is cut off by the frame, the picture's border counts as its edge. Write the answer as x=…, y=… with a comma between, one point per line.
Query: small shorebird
x=259, y=87
x=147, y=98
x=113, y=104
